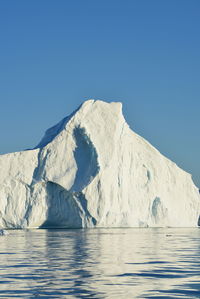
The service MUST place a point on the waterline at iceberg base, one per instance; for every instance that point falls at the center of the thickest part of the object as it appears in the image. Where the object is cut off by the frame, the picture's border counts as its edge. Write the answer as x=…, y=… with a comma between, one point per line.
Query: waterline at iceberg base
x=92, y=170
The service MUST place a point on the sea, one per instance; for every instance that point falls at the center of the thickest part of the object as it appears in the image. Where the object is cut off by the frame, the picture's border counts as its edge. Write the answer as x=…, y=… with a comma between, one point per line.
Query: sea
x=100, y=263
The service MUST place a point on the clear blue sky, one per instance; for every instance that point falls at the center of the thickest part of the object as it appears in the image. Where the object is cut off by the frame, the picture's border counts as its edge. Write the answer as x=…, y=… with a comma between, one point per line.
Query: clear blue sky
x=144, y=53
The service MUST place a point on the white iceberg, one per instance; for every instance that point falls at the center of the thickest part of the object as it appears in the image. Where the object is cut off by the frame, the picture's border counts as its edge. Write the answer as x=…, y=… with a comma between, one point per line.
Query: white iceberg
x=92, y=170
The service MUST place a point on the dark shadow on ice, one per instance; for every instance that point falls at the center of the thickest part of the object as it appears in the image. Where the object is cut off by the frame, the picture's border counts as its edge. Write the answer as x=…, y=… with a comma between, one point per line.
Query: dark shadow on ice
x=82, y=200
x=198, y=221
x=86, y=159
x=63, y=210
x=66, y=209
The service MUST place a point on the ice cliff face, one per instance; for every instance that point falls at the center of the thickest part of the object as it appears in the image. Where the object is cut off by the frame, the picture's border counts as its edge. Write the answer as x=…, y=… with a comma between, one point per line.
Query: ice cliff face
x=92, y=170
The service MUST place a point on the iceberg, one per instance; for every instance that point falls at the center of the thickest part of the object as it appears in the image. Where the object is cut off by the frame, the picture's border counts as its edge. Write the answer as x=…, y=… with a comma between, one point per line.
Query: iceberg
x=92, y=170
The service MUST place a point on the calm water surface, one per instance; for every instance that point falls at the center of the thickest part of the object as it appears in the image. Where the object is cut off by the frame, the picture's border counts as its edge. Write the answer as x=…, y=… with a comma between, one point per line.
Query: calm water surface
x=100, y=263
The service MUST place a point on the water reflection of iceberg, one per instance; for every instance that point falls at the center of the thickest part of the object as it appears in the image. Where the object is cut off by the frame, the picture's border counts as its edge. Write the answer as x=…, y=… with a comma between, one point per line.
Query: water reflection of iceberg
x=100, y=263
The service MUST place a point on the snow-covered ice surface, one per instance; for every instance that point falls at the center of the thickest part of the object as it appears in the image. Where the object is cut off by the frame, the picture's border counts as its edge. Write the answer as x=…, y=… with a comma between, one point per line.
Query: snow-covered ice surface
x=92, y=170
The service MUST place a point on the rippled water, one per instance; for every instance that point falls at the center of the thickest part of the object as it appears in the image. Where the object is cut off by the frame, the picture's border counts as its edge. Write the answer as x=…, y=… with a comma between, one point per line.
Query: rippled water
x=100, y=263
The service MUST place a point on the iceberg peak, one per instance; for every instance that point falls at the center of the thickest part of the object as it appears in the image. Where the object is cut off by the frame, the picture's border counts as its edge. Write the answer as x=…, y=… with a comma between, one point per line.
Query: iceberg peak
x=83, y=110
x=92, y=170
